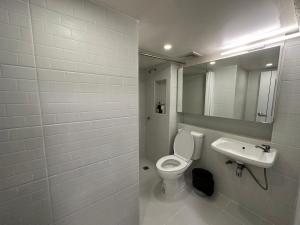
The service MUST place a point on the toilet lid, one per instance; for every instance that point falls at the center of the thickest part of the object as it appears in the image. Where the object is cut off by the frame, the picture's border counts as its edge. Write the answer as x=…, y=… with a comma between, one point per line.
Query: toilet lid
x=184, y=145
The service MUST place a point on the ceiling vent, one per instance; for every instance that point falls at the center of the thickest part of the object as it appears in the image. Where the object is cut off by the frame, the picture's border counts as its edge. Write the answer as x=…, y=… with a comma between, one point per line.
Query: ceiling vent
x=192, y=54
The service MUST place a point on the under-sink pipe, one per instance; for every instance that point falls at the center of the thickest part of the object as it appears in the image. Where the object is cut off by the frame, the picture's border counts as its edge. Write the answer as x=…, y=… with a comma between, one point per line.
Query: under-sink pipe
x=239, y=172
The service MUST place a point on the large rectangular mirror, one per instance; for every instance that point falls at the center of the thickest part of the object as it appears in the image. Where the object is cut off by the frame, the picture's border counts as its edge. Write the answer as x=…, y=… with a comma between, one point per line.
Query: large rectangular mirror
x=241, y=87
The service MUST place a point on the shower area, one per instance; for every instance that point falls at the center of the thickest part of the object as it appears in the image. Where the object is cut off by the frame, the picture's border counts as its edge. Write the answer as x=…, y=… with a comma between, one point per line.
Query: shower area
x=157, y=122
x=157, y=105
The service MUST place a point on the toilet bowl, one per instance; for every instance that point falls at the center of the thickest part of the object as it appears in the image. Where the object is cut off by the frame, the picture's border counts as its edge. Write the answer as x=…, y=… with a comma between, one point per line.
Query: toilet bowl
x=187, y=147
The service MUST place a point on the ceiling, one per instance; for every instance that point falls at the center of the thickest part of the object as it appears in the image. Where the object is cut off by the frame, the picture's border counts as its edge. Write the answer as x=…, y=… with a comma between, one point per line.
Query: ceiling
x=146, y=62
x=201, y=25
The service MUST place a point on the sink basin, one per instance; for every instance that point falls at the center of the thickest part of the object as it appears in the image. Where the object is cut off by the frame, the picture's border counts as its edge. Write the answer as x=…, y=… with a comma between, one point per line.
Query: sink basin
x=245, y=152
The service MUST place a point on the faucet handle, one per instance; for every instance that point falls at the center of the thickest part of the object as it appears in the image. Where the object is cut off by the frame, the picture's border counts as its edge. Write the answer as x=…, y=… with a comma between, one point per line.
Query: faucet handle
x=264, y=147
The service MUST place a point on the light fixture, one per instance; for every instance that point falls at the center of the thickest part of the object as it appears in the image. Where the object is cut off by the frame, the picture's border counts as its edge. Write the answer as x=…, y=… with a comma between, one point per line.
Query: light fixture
x=259, y=35
x=212, y=63
x=167, y=47
x=261, y=45
x=244, y=48
x=269, y=64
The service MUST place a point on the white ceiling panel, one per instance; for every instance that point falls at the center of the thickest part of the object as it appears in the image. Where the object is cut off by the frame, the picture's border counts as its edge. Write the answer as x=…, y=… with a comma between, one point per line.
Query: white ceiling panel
x=202, y=25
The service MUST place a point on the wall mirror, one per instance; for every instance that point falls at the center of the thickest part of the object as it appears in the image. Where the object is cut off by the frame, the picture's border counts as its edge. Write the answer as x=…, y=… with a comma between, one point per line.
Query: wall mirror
x=241, y=87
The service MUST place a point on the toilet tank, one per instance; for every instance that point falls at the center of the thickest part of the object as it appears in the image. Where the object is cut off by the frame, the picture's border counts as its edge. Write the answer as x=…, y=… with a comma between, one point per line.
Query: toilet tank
x=198, y=142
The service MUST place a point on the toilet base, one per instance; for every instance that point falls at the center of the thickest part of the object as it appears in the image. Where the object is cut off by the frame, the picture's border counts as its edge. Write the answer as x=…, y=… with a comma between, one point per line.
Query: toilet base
x=172, y=188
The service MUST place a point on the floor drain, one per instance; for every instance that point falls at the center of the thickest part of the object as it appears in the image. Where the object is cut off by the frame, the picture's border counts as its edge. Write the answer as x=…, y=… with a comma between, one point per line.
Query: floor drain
x=145, y=168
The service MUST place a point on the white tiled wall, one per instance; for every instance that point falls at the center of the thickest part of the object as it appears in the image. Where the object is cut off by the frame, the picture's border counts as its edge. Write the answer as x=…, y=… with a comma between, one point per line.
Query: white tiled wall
x=24, y=195
x=285, y=135
x=68, y=114
x=16, y=46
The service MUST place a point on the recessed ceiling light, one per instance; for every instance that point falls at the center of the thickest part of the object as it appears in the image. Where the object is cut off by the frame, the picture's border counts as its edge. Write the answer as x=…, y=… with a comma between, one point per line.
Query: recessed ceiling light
x=212, y=63
x=167, y=47
x=269, y=64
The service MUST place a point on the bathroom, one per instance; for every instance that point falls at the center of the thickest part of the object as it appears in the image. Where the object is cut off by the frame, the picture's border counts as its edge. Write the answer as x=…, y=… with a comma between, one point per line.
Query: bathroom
x=149, y=112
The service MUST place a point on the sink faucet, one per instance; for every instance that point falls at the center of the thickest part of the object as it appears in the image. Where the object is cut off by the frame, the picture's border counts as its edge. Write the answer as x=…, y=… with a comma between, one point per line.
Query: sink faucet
x=265, y=148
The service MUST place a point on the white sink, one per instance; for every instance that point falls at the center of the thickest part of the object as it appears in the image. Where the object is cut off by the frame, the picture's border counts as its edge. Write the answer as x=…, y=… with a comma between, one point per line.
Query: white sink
x=245, y=152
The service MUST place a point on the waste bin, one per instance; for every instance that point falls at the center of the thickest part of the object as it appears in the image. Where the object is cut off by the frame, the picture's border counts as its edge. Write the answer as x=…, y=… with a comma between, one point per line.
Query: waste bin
x=203, y=181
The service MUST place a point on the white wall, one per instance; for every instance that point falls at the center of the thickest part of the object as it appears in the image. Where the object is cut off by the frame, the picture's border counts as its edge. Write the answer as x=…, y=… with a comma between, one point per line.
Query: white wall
x=286, y=130
x=68, y=111
x=245, y=128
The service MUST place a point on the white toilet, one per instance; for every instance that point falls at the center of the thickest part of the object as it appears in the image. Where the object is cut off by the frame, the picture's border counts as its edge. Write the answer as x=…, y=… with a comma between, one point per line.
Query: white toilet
x=187, y=147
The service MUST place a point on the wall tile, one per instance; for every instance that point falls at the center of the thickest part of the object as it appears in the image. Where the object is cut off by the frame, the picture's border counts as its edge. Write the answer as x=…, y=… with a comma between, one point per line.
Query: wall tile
x=88, y=105
x=68, y=113
x=24, y=195
x=27, y=204
x=124, y=204
x=15, y=41
x=18, y=72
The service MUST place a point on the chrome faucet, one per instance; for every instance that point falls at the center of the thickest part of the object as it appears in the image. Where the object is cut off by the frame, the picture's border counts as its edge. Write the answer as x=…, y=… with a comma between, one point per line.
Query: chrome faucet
x=265, y=148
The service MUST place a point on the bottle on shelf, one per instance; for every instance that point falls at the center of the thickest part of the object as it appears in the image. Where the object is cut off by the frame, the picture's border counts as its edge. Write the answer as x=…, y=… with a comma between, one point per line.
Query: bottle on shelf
x=158, y=108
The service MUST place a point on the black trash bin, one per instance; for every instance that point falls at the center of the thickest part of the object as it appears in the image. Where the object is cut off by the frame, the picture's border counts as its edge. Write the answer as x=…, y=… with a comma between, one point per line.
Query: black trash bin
x=203, y=181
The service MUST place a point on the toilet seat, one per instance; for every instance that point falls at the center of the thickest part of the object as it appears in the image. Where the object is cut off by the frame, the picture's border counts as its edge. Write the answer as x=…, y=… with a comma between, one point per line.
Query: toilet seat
x=184, y=145
x=171, y=168
x=183, y=152
x=172, y=163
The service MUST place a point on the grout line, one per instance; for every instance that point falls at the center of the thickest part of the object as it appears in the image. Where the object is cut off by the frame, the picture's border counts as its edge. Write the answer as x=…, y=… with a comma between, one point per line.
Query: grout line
x=102, y=5
x=46, y=177
x=51, y=208
x=92, y=164
x=246, y=209
x=95, y=201
x=67, y=71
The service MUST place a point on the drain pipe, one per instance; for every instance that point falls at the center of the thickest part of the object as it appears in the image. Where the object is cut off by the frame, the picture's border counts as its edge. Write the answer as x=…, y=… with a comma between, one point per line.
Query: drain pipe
x=239, y=172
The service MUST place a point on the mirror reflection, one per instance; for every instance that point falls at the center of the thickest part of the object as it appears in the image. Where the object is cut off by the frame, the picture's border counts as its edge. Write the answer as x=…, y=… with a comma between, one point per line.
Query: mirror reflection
x=241, y=87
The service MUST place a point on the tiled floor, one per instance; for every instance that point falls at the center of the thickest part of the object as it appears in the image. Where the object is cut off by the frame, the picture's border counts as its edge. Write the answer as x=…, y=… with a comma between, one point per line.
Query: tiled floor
x=190, y=209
